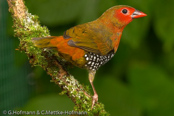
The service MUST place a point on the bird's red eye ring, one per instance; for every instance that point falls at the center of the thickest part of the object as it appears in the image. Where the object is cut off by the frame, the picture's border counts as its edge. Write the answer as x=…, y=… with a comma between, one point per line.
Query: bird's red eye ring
x=124, y=11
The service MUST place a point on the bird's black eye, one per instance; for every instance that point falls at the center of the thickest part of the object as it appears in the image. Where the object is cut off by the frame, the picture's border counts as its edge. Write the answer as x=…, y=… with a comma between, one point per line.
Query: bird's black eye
x=124, y=11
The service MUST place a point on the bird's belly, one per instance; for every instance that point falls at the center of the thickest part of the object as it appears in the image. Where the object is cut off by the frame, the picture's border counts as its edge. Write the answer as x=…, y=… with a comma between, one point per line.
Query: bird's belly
x=94, y=61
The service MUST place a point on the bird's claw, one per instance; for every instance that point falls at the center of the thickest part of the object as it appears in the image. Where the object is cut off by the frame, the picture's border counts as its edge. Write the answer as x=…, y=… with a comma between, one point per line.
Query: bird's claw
x=94, y=100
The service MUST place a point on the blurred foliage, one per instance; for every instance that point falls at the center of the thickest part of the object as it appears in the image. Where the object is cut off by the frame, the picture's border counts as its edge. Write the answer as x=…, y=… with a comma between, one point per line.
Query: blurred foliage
x=52, y=102
x=139, y=80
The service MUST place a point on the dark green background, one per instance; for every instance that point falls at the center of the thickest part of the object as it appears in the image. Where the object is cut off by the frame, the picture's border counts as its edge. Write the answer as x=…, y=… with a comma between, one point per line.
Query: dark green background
x=138, y=81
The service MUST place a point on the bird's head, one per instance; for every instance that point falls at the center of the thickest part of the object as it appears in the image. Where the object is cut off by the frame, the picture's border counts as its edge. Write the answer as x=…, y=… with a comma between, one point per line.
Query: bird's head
x=121, y=15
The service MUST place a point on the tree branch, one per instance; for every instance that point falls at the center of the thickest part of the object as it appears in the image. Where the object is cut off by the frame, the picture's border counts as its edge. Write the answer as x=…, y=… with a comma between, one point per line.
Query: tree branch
x=26, y=26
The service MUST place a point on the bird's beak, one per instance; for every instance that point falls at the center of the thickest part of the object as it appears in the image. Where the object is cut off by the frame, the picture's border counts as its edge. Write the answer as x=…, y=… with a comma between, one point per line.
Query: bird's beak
x=138, y=14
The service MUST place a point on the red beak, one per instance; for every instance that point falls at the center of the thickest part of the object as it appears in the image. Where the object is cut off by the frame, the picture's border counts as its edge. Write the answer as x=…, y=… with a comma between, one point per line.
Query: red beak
x=138, y=14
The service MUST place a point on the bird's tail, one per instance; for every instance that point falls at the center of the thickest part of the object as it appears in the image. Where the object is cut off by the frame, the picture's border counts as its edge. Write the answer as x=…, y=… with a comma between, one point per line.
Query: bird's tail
x=61, y=45
x=45, y=42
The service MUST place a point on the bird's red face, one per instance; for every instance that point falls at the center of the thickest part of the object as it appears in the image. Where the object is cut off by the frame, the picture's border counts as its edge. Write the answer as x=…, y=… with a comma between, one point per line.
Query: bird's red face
x=126, y=14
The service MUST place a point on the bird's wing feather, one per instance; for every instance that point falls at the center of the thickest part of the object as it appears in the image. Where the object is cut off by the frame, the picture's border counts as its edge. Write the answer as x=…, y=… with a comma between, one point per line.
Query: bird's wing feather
x=92, y=39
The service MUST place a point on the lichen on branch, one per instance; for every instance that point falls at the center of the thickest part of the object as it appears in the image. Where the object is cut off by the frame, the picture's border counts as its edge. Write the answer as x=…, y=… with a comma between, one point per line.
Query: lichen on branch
x=26, y=26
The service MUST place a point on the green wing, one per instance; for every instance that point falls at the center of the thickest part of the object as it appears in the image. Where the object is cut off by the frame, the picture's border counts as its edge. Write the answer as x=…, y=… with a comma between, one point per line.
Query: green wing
x=91, y=38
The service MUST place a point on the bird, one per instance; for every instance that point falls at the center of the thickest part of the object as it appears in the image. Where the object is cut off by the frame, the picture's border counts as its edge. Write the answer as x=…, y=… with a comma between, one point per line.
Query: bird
x=92, y=44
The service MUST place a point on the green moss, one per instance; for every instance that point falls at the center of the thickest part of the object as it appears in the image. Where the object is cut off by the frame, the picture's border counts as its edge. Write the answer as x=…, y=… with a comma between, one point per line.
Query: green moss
x=13, y=2
x=63, y=92
x=11, y=10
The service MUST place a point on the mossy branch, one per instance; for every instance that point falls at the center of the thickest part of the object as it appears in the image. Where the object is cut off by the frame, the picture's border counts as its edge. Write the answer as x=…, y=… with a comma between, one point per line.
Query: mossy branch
x=26, y=26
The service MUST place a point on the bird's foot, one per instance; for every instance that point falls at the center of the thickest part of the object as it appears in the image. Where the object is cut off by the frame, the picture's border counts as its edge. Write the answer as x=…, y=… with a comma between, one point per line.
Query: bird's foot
x=94, y=100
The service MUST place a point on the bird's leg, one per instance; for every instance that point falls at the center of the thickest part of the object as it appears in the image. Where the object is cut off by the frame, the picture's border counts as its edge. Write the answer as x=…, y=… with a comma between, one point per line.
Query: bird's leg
x=91, y=79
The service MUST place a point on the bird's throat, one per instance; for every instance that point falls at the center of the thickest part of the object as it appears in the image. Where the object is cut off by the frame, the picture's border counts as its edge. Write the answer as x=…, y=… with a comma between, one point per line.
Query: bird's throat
x=116, y=40
x=114, y=29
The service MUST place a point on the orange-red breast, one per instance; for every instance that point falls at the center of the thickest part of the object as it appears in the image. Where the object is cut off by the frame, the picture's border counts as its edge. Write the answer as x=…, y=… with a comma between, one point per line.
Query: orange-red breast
x=92, y=44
